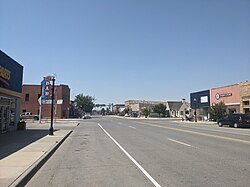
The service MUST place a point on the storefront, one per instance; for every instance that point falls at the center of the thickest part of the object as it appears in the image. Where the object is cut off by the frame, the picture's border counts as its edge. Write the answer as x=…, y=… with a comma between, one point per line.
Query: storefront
x=245, y=97
x=230, y=95
x=11, y=76
x=200, y=102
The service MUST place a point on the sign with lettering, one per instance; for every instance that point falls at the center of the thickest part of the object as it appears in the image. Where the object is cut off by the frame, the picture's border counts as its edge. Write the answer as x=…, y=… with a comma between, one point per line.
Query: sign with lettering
x=45, y=89
x=11, y=74
x=204, y=99
x=218, y=95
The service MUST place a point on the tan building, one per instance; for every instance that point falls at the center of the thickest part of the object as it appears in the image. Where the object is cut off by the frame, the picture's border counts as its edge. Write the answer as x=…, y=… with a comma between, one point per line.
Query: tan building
x=173, y=108
x=245, y=97
x=138, y=105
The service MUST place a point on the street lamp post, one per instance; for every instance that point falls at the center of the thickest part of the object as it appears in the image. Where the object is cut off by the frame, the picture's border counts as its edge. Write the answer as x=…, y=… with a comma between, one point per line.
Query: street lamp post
x=195, y=116
x=51, y=130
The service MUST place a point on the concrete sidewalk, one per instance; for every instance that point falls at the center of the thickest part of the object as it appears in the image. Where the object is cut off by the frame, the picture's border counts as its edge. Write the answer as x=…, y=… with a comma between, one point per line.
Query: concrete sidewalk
x=22, y=153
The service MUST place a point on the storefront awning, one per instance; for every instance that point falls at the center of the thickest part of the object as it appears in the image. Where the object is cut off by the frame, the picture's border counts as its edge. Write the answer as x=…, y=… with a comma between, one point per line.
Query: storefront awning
x=11, y=93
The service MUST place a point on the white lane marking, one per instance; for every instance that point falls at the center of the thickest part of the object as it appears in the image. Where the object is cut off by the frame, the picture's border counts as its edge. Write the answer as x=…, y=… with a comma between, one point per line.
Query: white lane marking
x=230, y=132
x=179, y=142
x=201, y=128
x=131, y=158
x=132, y=127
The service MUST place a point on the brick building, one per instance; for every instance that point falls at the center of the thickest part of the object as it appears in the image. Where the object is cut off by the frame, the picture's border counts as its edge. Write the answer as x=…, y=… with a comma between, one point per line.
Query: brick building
x=31, y=94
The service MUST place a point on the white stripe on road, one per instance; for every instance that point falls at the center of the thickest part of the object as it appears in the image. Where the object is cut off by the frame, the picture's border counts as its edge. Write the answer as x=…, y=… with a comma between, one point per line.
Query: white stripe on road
x=131, y=158
x=132, y=127
x=180, y=142
x=230, y=132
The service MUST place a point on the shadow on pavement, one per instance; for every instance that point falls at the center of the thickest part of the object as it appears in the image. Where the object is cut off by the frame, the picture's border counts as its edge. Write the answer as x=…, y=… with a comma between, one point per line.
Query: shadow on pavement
x=13, y=141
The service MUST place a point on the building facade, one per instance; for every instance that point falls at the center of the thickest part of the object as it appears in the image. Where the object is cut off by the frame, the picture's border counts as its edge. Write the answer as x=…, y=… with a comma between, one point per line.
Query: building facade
x=245, y=97
x=30, y=103
x=236, y=97
x=179, y=109
x=173, y=108
x=200, y=102
x=230, y=95
x=135, y=106
x=11, y=78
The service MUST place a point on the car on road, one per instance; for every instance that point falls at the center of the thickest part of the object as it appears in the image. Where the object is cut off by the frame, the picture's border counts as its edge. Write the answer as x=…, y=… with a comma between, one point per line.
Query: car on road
x=189, y=118
x=87, y=116
x=235, y=120
x=127, y=115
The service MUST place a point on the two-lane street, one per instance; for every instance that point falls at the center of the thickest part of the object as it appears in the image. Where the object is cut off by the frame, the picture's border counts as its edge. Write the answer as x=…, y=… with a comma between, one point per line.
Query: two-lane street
x=106, y=151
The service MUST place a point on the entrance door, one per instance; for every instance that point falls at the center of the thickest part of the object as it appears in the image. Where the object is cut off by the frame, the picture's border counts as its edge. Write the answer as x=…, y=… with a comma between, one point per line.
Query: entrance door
x=4, y=113
x=4, y=118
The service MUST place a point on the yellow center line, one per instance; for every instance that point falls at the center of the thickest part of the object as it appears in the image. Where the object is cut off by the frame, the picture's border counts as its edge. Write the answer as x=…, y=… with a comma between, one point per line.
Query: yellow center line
x=194, y=132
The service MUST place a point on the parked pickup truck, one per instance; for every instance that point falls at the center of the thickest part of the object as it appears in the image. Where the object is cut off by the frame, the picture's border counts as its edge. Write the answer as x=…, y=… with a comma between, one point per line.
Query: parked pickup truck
x=28, y=115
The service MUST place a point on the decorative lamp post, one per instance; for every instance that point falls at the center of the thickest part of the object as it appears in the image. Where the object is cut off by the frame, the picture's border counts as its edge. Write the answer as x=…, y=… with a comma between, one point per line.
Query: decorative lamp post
x=51, y=130
x=195, y=116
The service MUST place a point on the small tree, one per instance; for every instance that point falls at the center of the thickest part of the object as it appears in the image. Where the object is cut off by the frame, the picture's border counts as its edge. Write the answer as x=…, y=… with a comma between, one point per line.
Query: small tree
x=160, y=109
x=145, y=112
x=217, y=111
x=85, y=103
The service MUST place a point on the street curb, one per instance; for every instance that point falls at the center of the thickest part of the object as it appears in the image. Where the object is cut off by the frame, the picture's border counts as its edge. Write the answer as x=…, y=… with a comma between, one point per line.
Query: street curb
x=24, y=178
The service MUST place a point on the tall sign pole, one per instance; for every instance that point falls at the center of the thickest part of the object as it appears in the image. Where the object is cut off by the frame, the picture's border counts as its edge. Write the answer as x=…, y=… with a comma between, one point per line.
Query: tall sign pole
x=40, y=110
x=51, y=130
x=43, y=85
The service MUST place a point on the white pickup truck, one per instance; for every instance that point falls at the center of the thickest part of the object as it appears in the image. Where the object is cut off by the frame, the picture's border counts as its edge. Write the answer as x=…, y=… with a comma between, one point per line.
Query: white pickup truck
x=28, y=115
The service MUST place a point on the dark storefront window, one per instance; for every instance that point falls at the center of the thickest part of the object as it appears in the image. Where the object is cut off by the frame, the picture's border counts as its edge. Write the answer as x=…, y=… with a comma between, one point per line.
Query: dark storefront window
x=245, y=102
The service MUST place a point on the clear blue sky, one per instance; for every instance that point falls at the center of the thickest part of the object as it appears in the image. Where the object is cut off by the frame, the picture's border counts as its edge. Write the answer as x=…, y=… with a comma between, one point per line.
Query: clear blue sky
x=117, y=50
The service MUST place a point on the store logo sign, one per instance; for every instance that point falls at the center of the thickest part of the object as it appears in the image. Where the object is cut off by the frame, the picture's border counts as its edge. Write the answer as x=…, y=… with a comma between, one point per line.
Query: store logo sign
x=5, y=76
x=204, y=99
x=45, y=88
x=218, y=95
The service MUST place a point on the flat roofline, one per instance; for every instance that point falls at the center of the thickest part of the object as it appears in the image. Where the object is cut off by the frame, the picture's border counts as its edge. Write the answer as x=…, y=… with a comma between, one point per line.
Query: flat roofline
x=40, y=85
x=225, y=86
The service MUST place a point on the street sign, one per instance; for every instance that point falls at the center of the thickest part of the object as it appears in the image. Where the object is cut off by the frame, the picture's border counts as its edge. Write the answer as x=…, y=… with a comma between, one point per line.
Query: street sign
x=49, y=102
x=45, y=88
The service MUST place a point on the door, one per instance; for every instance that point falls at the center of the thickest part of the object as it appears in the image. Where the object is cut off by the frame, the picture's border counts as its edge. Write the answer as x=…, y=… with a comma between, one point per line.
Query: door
x=4, y=118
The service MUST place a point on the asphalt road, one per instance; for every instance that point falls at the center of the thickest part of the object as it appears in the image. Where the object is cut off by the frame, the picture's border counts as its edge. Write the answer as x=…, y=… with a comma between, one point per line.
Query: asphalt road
x=127, y=152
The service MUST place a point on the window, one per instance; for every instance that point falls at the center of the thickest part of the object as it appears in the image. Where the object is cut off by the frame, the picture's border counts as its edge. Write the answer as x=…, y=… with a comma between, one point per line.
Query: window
x=245, y=102
x=181, y=112
x=27, y=97
x=246, y=111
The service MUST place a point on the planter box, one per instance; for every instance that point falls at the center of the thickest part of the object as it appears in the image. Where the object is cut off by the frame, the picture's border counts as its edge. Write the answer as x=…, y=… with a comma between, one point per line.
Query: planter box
x=21, y=125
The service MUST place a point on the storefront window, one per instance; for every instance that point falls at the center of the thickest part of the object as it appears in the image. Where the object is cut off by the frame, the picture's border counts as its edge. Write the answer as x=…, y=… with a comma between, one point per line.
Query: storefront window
x=7, y=113
x=245, y=102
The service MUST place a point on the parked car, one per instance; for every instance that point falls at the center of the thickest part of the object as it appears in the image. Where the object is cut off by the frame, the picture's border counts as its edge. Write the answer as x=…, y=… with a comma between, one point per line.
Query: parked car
x=87, y=116
x=28, y=116
x=235, y=120
x=189, y=118
x=127, y=115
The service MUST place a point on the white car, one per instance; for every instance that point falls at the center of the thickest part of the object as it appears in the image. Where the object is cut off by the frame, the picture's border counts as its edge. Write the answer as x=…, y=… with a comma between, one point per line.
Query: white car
x=87, y=116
